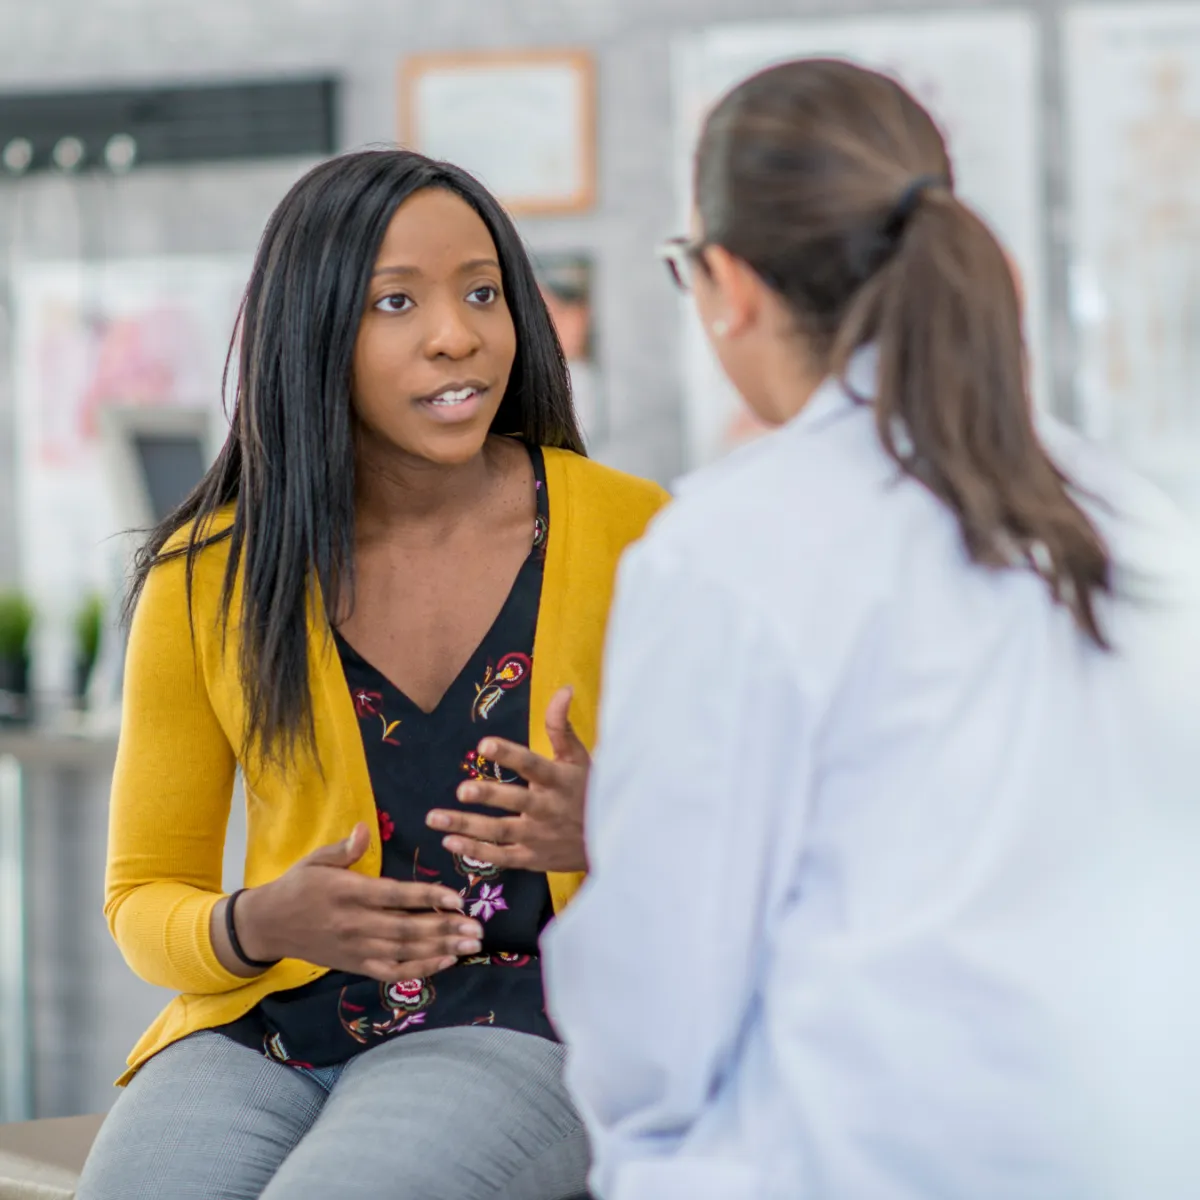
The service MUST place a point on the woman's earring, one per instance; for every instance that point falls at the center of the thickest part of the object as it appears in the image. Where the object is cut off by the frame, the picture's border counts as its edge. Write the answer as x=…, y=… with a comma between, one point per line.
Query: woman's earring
x=720, y=327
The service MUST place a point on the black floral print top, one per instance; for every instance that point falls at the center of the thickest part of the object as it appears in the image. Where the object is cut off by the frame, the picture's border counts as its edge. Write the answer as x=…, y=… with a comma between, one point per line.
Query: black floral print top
x=416, y=762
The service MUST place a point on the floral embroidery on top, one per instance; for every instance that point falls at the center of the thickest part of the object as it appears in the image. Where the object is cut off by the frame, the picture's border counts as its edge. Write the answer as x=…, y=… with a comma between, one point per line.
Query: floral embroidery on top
x=370, y=704
x=541, y=527
x=406, y=996
x=491, y=901
x=510, y=672
x=419, y=872
x=414, y=767
x=504, y=959
x=386, y=825
x=403, y=1005
x=273, y=1047
x=478, y=767
x=475, y=869
x=499, y=959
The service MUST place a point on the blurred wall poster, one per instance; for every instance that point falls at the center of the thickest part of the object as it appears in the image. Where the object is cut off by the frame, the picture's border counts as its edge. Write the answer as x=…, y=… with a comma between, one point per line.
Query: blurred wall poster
x=566, y=282
x=978, y=73
x=1133, y=88
x=88, y=335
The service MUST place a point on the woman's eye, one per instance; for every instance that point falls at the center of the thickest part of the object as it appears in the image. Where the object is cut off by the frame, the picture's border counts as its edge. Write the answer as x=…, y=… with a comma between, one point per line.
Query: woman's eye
x=487, y=294
x=397, y=303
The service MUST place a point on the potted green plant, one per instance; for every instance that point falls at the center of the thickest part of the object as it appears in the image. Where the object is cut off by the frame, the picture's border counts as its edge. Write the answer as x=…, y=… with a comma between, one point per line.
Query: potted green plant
x=89, y=626
x=16, y=622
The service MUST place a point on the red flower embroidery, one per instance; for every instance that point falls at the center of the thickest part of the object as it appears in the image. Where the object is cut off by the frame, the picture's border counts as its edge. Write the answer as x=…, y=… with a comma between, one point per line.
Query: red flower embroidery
x=504, y=959
x=420, y=871
x=512, y=669
x=478, y=767
x=406, y=991
x=386, y=825
x=366, y=704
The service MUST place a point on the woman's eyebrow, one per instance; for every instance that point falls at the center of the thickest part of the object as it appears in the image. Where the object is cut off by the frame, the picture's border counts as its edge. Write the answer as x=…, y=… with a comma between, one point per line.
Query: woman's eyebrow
x=408, y=272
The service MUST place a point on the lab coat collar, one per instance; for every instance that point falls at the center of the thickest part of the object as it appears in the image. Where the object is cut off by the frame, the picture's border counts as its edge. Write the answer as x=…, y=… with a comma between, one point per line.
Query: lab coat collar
x=830, y=401
x=832, y=398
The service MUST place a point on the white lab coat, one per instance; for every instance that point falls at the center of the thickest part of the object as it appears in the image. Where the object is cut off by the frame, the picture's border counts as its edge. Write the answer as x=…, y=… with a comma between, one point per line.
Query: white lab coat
x=875, y=839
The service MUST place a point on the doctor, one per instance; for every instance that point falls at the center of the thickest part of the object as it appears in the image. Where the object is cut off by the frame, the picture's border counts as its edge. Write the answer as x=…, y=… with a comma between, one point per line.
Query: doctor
x=899, y=704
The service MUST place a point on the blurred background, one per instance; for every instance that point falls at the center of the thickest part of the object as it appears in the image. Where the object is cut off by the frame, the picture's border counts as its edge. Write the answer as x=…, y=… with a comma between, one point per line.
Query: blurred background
x=143, y=143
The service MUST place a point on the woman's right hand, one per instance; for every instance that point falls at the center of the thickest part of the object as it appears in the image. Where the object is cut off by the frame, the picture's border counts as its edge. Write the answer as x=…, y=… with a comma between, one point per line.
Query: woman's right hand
x=323, y=913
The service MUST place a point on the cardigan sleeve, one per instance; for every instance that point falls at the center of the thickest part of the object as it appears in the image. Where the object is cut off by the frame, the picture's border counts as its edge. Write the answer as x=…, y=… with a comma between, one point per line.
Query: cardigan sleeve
x=172, y=789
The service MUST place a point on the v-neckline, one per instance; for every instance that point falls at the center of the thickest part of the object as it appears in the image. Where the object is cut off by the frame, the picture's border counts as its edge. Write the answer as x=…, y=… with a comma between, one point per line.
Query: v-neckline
x=408, y=702
x=540, y=536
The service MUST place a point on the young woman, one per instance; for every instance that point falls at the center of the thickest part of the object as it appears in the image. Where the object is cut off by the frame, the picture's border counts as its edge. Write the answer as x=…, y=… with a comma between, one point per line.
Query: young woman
x=883, y=728
x=398, y=562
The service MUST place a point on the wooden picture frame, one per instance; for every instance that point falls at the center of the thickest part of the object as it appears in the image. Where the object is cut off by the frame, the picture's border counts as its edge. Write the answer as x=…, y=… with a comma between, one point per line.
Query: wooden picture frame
x=524, y=122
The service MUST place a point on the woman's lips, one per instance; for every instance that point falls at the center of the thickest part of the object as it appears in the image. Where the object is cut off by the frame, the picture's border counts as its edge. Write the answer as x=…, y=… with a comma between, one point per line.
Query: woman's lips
x=454, y=404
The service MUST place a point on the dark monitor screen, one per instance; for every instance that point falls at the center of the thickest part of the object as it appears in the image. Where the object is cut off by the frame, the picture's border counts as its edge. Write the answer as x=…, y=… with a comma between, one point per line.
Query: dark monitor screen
x=172, y=465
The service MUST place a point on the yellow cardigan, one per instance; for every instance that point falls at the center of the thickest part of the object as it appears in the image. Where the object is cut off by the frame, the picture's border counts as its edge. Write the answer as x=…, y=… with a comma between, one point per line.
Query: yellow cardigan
x=183, y=720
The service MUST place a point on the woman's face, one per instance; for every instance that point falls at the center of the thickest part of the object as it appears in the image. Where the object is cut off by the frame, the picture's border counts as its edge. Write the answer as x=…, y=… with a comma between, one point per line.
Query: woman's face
x=436, y=343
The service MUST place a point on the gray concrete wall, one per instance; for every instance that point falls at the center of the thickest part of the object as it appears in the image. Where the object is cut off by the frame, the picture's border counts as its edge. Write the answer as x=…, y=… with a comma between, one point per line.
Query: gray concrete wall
x=72, y=42
x=87, y=1008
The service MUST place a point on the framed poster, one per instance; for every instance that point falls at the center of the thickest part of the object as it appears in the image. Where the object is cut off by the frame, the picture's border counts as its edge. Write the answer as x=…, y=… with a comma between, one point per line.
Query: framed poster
x=524, y=123
x=977, y=72
x=89, y=338
x=1133, y=95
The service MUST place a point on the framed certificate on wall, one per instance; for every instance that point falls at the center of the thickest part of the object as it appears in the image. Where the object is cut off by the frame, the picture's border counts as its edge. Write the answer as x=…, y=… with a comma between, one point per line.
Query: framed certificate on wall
x=522, y=122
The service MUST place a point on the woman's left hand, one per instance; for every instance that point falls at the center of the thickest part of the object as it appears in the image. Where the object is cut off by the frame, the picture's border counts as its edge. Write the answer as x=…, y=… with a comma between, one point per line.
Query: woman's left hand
x=544, y=831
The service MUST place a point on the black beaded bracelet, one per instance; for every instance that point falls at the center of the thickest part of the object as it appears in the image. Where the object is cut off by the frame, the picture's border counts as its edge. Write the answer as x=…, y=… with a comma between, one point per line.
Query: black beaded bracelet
x=234, y=944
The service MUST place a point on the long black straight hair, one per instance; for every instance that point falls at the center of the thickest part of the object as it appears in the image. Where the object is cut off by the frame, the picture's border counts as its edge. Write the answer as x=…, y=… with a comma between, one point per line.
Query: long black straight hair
x=288, y=465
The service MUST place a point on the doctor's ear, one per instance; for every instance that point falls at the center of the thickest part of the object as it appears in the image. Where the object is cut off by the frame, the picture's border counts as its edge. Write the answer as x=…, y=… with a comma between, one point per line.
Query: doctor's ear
x=736, y=294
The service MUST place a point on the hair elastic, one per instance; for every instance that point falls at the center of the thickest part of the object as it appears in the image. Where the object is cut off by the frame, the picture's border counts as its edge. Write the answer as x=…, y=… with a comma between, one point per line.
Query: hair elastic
x=908, y=200
x=234, y=943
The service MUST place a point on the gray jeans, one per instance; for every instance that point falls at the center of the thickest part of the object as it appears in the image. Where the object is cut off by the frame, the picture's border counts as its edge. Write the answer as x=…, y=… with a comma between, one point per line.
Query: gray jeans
x=443, y=1114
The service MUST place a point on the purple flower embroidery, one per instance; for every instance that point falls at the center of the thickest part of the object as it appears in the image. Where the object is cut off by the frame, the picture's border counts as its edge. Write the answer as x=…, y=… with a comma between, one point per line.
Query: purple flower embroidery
x=491, y=901
x=409, y=1022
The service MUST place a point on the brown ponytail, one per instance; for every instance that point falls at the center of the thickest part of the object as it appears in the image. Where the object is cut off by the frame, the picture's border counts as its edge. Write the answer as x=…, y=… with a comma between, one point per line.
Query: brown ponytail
x=834, y=184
